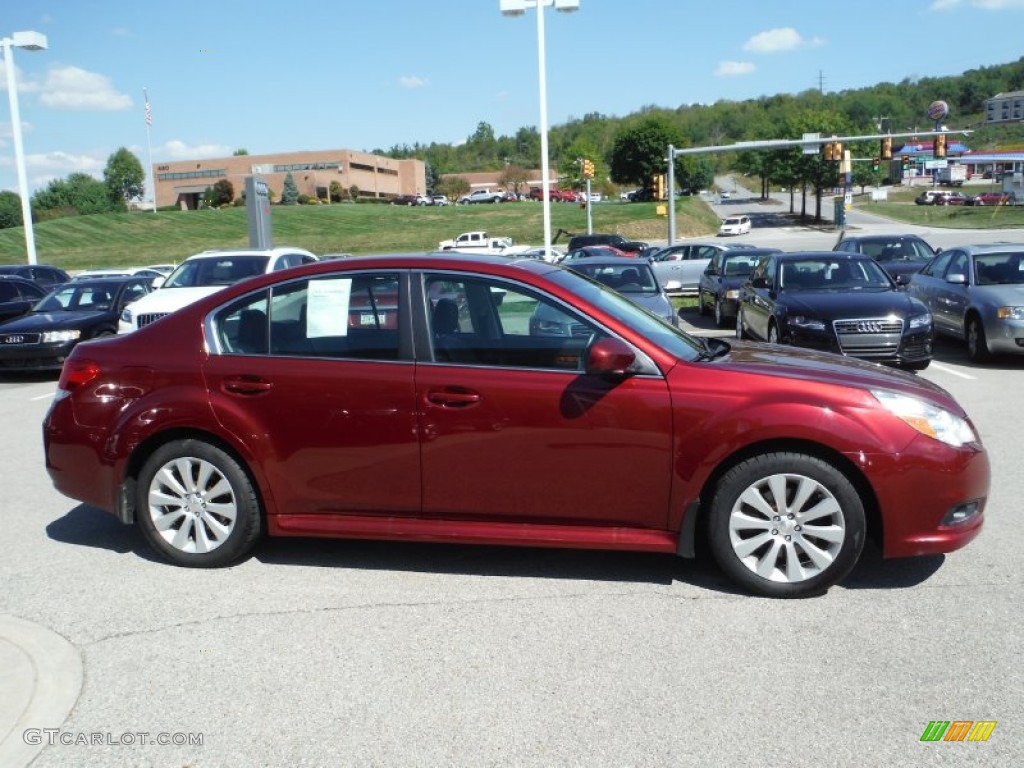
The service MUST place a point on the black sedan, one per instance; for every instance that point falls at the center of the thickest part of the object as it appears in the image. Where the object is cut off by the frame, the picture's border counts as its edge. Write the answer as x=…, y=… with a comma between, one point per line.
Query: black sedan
x=900, y=255
x=720, y=283
x=17, y=296
x=837, y=302
x=42, y=274
x=74, y=312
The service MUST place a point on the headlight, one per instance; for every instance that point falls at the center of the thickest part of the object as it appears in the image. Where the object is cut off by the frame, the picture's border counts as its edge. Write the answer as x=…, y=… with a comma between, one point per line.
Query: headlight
x=732, y=294
x=920, y=321
x=807, y=323
x=126, y=316
x=1010, y=313
x=928, y=419
x=51, y=336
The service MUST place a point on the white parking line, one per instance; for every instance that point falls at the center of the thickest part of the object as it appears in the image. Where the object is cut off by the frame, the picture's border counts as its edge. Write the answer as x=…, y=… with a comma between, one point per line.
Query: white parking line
x=947, y=369
x=41, y=397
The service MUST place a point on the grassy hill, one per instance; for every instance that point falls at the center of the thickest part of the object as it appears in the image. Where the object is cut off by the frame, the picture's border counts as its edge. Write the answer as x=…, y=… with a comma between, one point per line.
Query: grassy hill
x=109, y=240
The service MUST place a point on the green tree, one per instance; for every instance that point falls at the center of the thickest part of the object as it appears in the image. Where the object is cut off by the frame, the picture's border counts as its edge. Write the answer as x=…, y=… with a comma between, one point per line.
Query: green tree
x=10, y=209
x=290, y=192
x=240, y=151
x=638, y=151
x=452, y=187
x=514, y=177
x=221, y=193
x=79, y=193
x=335, y=192
x=353, y=193
x=124, y=178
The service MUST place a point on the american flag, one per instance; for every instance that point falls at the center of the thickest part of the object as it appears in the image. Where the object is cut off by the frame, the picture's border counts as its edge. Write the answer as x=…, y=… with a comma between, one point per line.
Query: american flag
x=149, y=112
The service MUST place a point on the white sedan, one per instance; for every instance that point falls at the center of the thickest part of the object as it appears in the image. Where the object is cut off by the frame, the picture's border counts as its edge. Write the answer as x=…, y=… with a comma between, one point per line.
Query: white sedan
x=735, y=225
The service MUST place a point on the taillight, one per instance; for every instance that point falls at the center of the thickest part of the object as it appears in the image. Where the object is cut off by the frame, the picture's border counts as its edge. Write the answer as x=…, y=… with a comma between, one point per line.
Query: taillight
x=77, y=373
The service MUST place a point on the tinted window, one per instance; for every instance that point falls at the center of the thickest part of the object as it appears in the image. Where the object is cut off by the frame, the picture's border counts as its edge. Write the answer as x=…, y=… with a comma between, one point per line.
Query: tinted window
x=479, y=321
x=351, y=317
x=938, y=265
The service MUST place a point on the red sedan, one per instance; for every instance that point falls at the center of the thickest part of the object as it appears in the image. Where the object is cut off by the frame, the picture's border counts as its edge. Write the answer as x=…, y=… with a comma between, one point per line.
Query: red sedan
x=481, y=399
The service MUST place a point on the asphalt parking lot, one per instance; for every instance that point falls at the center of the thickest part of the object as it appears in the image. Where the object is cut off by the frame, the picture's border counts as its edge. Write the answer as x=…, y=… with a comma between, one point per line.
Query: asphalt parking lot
x=369, y=653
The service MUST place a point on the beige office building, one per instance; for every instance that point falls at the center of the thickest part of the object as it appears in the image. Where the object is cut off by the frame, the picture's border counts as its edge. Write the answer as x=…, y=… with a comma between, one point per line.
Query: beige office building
x=183, y=182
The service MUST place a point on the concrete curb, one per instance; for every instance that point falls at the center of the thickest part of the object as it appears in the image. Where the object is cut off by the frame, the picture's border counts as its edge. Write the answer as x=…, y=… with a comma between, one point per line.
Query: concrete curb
x=41, y=678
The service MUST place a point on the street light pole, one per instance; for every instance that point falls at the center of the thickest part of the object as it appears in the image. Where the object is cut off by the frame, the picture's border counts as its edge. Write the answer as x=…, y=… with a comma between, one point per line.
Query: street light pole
x=518, y=8
x=30, y=41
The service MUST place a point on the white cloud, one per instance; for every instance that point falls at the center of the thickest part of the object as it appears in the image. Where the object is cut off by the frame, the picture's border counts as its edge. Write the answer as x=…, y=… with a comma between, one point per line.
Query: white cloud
x=78, y=89
x=179, y=150
x=42, y=168
x=413, y=82
x=780, y=39
x=988, y=5
x=25, y=84
x=734, y=68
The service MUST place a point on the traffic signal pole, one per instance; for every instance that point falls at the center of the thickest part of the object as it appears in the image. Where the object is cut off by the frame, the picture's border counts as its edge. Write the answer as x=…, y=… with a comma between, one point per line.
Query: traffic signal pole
x=810, y=144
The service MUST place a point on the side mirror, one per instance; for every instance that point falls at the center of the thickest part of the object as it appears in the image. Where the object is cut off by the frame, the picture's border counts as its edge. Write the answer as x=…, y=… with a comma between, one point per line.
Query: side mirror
x=902, y=280
x=957, y=278
x=673, y=285
x=157, y=282
x=609, y=357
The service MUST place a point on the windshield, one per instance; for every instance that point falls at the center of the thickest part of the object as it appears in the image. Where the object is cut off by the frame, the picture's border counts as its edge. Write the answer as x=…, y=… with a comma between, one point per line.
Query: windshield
x=628, y=277
x=77, y=297
x=999, y=269
x=833, y=274
x=216, y=270
x=652, y=327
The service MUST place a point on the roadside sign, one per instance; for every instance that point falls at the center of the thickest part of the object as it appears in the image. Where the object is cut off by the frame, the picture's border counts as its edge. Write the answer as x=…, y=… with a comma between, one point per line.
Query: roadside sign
x=811, y=145
x=931, y=165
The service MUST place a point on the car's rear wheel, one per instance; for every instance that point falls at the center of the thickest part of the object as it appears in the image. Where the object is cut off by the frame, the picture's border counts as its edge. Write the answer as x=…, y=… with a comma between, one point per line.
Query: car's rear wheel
x=702, y=309
x=786, y=525
x=773, y=333
x=741, y=331
x=197, y=506
x=977, y=346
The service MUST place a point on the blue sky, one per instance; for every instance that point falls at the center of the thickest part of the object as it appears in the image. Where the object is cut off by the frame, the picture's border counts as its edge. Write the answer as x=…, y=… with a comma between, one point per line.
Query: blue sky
x=280, y=76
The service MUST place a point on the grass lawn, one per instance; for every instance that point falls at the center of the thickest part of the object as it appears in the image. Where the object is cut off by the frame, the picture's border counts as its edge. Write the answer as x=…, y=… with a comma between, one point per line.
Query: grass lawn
x=110, y=240
x=900, y=206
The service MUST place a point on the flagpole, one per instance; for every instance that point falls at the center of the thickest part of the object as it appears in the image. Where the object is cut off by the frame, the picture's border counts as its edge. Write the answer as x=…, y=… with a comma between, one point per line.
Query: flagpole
x=149, y=147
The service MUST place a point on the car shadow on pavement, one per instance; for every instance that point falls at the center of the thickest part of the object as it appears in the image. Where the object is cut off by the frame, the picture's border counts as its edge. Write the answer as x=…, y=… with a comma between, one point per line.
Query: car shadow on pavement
x=874, y=572
x=88, y=526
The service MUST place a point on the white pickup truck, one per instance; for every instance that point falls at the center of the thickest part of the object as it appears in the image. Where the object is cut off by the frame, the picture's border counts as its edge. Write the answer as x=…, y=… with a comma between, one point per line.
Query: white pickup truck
x=481, y=242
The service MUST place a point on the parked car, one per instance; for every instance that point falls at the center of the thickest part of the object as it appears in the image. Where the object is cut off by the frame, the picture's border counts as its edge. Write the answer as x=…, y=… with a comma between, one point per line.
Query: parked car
x=439, y=200
x=976, y=293
x=928, y=197
x=597, y=251
x=836, y=302
x=482, y=196
x=41, y=339
x=43, y=274
x=633, y=279
x=607, y=238
x=287, y=404
x=735, y=225
x=900, y=255
x=684, y=263
x=17, y=295
x=994, y=198
x=406, y=200
x=557, y=195
x=206, y=273
x=952, y=197
x=719, y=287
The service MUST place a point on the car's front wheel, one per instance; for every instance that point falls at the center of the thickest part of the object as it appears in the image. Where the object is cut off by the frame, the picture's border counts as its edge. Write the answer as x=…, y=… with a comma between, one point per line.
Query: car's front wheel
x=977, y=346
x=702, y=310
x=719, y=313
x=786, y=525
x=773, y=333
x=196, y=505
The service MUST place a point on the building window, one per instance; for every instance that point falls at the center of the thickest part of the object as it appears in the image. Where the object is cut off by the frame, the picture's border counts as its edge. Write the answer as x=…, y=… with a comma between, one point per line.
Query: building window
x=192, y=175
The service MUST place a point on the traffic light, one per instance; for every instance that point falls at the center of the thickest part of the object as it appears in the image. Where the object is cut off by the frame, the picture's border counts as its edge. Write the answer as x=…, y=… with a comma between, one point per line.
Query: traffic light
x=940, y=145
x=876, y=163
x=837, y=151
x=659, y=186
x=886, y=152
x=588, y=169
x=905, y=162
x=826, y=151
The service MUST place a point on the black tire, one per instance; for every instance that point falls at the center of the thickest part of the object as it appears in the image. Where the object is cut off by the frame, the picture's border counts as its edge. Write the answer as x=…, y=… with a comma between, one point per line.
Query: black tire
x=918, y=366
x=741, y=331
x=719, y=315
x=977, y=346
x=773, y=333
x=701, y=309
x=194, y=528
x=822, y=513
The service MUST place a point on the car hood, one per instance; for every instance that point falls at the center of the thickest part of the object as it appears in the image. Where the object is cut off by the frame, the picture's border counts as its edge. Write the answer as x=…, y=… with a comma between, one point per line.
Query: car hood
x=838, y=303
x=652, y=302
x=828, y=368
x=170, y=299
x=37, y=322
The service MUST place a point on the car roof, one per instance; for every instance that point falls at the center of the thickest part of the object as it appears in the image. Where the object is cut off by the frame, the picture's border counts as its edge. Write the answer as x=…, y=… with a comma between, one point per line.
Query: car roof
x=220, y=253
x=1000, y=247
x=830, y=255
x=878, y=238
x=607, y=260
